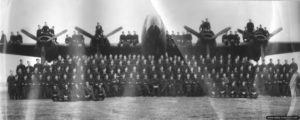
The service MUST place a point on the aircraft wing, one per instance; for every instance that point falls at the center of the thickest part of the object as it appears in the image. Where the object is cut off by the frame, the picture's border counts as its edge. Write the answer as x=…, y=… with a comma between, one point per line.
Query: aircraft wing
x=282, y=47
x=32, y=50
x=23, y=49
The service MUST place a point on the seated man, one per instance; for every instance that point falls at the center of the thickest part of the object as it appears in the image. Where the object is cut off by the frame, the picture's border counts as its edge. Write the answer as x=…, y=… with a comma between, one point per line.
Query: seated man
x=55, y=93
x=223, y=89
x=100, y=92
x=243, y=90
x=65, y=93
x=88, y=92
x=214, y=90
x=252, y=91
x=77, y=93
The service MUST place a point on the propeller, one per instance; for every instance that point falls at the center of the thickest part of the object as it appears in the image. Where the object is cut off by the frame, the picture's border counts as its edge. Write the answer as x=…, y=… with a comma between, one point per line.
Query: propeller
x=194, y=32
x=113, y=32
x=30, y=35
x=240, y=31
x=221, y=32
x=84, y=32
x=57, y=35
x=275, y=32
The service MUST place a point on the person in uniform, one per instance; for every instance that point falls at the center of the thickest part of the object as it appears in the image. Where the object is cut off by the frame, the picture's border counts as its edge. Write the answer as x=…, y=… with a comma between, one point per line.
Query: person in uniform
x=135, y=38
x=145, y=85
x=225, y=39
x=285, y=67
x=250, y=26
x=164, y=83
x=45, y=28
x=100, y=92
x=88, y=92
x=206, y=25
x=122, y=39
x=99, y=29
x=39, y=31
x=68, y=40
x=21, y=67
x=76, y=93
x=38, y=65
x=10, y=85
x=56, y=93
x=129, y=38
x=293, y=66
x=243, y=90
x=115, y=85
x=3, y=39
x=236, y=38
x=19, y=38
x=155, y=85
x=65, y=93
x=12, y=39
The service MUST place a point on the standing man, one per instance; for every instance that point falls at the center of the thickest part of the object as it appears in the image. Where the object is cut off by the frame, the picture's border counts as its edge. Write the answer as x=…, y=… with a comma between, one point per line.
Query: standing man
x=39, y=31
x=19, y=38
x=10, y=85
x=3, y=39
x=250, y=26
x=135, y=38
x=21, y=67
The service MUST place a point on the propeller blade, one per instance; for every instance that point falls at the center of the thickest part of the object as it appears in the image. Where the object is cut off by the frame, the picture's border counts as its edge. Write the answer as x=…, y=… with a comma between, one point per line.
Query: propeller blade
x=275, y=32
x=57, y=35
x=29, y=35
x=240, y=31
x=84, y=32
x=221, y=32
x=194, y=32
x=113, y=32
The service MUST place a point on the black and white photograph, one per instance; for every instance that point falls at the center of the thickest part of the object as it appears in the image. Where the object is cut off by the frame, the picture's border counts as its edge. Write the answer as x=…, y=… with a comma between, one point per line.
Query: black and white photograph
x=149, y=60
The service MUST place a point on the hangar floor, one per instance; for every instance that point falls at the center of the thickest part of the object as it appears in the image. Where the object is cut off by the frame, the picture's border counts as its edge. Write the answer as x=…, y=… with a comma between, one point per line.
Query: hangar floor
x=132, y=108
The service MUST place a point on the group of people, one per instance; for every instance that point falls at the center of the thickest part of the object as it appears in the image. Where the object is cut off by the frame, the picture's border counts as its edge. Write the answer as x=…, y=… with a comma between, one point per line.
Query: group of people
x=76, y=39
x=251, y=31
x=15, y=39
x=94, y=77
x=129, y=39
x=180, y=40
x=45, y=31
x=231, y=39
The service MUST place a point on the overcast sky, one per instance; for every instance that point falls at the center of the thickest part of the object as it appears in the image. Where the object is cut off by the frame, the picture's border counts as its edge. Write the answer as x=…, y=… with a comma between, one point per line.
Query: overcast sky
x=66, y=14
